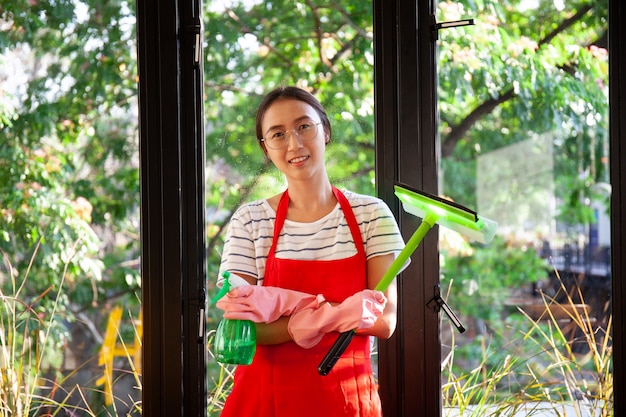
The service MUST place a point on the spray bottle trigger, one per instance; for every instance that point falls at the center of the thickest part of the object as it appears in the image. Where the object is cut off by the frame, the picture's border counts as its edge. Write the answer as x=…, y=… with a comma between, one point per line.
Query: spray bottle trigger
x=225, y=288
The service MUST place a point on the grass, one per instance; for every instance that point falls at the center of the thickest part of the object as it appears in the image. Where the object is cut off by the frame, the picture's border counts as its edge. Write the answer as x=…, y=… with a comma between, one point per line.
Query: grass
x=24, y=338
x=220, y=377
x=30, y=382
x=543, y=374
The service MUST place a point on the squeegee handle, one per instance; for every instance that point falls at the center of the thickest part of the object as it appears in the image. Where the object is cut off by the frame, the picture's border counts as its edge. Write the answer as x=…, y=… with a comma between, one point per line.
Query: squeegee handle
x=406, y=252
x=335, y=352
x=344, y=339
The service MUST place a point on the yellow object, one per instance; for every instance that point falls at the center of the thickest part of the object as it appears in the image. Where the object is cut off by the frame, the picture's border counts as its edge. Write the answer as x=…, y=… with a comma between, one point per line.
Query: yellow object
x=111, y=349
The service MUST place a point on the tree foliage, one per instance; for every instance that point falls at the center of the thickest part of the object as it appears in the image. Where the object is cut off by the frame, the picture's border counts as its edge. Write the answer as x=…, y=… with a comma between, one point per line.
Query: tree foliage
x=68, y=150
x=521, y=73
x=325, y=47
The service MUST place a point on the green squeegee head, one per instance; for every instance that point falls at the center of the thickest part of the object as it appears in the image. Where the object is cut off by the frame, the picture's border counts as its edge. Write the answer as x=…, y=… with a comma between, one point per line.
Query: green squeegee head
x=446, y=213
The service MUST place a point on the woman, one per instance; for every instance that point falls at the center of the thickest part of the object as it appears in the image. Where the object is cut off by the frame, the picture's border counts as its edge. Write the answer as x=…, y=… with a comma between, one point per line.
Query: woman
x=313, y=255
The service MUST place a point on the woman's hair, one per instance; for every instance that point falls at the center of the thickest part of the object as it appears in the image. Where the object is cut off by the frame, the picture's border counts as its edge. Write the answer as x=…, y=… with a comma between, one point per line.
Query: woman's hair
x=294, y=93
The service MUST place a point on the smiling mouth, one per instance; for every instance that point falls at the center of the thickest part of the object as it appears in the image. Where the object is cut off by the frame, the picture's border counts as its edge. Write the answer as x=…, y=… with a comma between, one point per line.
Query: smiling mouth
x=298, y=159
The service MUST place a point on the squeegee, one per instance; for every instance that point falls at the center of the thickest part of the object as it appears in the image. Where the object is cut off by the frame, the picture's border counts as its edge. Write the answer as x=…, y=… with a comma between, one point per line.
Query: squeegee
x=432, y=210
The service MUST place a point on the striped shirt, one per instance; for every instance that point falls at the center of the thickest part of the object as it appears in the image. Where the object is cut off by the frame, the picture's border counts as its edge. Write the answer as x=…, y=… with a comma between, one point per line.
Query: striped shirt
x=251, y=230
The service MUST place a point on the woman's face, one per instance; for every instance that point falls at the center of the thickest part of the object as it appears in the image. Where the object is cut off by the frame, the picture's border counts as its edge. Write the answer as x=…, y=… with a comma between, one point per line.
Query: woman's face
x=297, y=159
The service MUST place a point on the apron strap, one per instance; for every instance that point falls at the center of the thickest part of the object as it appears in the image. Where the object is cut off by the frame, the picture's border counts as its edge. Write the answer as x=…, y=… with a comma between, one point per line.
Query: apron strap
x=281, y=215
x=351, y=219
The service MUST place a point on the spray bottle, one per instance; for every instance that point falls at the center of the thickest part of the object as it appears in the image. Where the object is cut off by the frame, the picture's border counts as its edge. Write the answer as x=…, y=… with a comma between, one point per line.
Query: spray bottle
x=235, y=340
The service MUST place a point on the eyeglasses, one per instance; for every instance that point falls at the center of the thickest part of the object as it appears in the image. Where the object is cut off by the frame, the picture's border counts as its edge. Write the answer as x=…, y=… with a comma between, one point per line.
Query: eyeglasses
x=278, y=138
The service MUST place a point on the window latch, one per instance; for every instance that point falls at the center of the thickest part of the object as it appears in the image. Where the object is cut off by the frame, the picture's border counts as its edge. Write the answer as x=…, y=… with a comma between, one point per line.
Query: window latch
x=437, y=303
x=451, y=24
x=202, y=315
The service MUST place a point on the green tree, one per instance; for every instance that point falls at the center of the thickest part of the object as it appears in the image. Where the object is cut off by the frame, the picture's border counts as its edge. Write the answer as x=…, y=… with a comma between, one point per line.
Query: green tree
x=521, y=73
x=68, y=152
x=513, y=75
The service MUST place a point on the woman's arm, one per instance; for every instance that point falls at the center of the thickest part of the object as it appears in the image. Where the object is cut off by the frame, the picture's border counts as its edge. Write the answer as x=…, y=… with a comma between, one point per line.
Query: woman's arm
x=276, y=332
x=273, y=333
x=270, y=333
x=386, y=324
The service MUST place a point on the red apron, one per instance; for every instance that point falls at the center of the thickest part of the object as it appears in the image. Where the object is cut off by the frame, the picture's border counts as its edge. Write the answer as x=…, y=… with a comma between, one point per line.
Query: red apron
x=282, y=380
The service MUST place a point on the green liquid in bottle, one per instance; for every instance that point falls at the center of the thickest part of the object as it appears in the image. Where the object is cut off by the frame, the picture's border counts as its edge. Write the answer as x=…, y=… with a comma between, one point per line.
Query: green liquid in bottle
x=235, y=342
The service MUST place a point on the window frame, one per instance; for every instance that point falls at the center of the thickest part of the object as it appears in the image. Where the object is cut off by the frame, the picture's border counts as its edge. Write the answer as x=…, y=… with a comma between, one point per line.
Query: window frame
x=406, y=151
x=172, y=201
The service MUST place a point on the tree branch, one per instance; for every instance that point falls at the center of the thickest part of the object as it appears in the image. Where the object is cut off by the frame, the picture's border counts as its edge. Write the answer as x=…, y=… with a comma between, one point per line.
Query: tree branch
x=319, y=36
x=265, y=42
x=564, y=25
x=457, y=132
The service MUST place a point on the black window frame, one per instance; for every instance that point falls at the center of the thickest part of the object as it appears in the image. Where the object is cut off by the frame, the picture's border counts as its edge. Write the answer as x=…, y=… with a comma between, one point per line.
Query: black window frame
x=172, y=200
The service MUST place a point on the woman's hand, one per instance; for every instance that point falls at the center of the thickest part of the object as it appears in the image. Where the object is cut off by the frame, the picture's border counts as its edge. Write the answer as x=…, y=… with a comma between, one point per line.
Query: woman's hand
x=359, y=311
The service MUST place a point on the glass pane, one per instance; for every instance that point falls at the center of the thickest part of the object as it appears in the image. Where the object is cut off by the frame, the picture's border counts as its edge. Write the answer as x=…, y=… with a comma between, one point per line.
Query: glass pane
x=523, y=102
x=69, y=209
x=252, y=47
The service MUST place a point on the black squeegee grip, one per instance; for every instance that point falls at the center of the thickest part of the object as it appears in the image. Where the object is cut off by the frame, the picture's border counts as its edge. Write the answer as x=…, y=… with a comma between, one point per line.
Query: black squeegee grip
x=335, y=352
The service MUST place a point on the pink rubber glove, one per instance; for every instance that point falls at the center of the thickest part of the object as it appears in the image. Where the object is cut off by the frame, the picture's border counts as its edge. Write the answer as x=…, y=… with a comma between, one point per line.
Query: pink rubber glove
x=264, y=304
x=359, y=311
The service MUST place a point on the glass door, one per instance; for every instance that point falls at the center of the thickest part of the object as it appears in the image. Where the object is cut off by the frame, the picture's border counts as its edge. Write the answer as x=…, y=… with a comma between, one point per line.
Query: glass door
x=523, y=128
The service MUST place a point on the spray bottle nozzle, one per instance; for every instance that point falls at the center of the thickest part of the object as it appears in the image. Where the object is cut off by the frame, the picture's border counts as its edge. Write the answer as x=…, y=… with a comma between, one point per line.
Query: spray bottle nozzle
x=225, y=288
